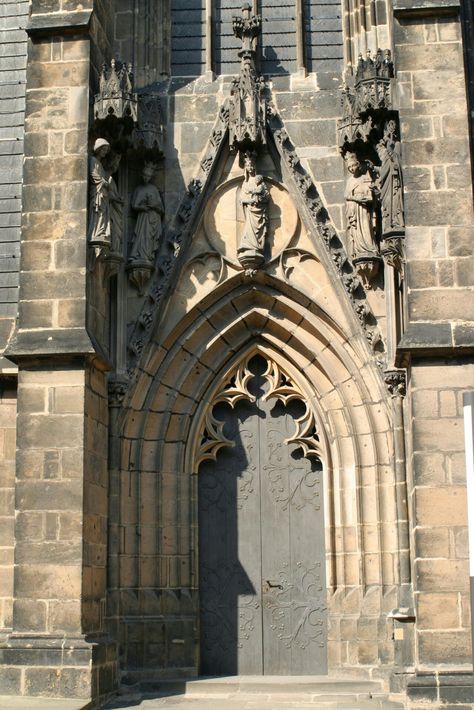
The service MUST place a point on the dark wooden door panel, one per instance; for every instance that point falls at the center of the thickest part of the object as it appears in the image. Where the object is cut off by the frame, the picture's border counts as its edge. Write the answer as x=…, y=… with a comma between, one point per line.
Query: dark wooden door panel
x=261, y=529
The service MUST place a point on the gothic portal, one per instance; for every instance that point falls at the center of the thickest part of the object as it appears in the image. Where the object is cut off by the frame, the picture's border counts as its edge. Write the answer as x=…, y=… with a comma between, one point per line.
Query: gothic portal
x=236, y=324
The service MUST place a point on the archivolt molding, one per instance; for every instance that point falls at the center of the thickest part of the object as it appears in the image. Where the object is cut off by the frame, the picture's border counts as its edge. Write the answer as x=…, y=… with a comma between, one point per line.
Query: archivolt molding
x=204, y=361
x=235, y=388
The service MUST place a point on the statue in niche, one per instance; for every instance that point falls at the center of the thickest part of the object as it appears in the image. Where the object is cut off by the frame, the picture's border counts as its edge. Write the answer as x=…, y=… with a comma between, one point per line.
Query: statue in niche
x=99, y=226
x=116, y=203
x=254, y=199
x=360, y=196
x=146, y=202
x=390, y=181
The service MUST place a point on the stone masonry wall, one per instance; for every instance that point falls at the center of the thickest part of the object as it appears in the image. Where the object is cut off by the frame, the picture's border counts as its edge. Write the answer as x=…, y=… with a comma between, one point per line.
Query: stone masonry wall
x=439, y=510
x=438, y=193
x=61, y=479
x=13, y=17
x=7, y=499
x=440, y=310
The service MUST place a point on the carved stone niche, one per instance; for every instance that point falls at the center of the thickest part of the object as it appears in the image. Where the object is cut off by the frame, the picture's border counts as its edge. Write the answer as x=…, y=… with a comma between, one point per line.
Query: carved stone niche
x=226, y=223
x=369, y=130
x=147, y=206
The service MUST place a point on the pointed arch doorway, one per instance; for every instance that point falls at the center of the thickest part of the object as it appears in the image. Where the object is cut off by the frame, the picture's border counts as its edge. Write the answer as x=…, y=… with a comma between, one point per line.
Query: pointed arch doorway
x=261, y=528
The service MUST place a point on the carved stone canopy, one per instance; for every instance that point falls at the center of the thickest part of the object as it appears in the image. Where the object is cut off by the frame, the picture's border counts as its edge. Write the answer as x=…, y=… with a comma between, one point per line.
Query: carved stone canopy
x=372, y=86
x=247, y=103
x=148, y=133
x=116, y=97
x=369, y=100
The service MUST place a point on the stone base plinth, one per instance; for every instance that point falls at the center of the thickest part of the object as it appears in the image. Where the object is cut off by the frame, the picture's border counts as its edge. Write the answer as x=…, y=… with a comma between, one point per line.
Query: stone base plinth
x=45, y=666
x=438, y=689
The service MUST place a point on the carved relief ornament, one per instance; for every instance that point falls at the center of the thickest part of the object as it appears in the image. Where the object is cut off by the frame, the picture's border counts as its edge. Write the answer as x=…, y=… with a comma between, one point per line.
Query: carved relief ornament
x=396, y=382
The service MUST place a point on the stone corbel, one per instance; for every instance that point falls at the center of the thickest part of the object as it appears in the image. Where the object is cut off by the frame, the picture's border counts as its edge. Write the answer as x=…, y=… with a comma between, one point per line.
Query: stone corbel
x=393, y=252
x=367, y=269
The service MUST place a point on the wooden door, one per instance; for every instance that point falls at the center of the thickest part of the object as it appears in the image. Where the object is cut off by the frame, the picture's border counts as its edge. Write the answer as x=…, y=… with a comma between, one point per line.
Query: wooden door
x=261, y=545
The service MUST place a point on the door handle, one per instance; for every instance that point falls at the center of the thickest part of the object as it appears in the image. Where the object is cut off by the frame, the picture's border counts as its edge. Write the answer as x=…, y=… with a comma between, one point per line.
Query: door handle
x=270, y=584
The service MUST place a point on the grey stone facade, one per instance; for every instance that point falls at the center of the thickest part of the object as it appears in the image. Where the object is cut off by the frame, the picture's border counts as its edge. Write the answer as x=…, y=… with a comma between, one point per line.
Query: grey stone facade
x=121, y=356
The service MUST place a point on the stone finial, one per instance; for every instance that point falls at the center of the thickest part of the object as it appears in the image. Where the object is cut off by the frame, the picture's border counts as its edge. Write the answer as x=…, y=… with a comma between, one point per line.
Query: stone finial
x=247, y=104
x=116, y=97
x=247, y=28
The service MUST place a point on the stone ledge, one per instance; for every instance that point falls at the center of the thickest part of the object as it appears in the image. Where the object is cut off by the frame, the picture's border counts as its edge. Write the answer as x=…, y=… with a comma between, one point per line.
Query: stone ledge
x=36, y=344
x=425, y=7
x=58, y=22
x=40, y=343
x=434, y=339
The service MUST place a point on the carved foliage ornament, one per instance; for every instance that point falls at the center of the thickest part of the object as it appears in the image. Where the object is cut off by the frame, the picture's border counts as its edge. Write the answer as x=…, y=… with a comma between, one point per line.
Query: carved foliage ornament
x=395, y=381
x=235, y=388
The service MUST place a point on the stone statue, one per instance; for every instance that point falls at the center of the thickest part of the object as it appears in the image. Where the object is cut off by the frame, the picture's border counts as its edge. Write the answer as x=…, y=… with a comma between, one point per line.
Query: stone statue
x=390, y=181
x=254, y=198
x=146, y=202
x=116, y=206
x=99, y=227
x=360, y=198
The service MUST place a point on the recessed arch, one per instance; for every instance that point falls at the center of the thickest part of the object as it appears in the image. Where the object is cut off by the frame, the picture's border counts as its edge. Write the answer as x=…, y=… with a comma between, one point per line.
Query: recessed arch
x=332, y=365
x=345, y=388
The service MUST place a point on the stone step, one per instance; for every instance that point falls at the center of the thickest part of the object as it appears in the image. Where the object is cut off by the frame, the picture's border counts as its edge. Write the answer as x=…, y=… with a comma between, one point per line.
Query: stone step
x=253, y=701
x=264, y=685
x=260, y=692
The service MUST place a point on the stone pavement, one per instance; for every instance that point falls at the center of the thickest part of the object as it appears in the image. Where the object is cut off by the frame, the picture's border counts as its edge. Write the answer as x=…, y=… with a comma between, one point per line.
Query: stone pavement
x=11, y=702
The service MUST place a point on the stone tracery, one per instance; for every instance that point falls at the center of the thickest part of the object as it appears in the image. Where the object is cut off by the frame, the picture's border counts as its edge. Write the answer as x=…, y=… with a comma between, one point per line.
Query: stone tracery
x=235, y=387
